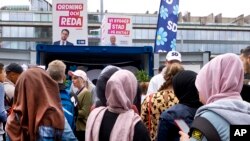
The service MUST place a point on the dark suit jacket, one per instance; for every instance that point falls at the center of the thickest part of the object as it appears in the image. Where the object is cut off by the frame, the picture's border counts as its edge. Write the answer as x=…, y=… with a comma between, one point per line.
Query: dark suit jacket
x=67, y=43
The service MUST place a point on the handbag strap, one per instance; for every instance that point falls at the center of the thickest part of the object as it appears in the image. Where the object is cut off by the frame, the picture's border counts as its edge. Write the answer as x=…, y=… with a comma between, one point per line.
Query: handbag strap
x=149, y=111
x=206, y=128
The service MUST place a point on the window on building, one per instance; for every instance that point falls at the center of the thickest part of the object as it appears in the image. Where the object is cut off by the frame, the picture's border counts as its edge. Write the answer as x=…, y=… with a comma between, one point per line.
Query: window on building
x=153, y=20
x=30, y=32
x=6, y=31
x=216, y=35
x=144, y=33
x=28, y=17
x=14, y=31
x=44, y=17
x=151, y=33
x=22, y=32
x=5, y=16
x=37, y=17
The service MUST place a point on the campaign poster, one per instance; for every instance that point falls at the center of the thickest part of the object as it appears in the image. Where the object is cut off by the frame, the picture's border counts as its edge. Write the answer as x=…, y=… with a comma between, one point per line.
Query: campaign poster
x=116, y=30
x=70, y=22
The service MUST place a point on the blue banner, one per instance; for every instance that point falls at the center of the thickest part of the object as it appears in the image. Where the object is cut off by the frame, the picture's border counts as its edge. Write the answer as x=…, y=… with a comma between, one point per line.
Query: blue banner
x=165, y=39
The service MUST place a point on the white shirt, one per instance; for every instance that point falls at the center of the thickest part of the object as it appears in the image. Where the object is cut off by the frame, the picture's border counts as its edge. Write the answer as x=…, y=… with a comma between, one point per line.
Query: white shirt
x=9, y=89
x=155, y=83
x=63, y=43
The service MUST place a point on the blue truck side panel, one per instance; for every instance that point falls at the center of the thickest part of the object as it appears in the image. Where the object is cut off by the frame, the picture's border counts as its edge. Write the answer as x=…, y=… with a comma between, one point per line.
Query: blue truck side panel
x=96, y=51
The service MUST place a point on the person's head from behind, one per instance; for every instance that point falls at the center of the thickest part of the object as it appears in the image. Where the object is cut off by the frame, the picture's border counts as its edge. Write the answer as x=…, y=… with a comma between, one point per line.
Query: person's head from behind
x=2, y=73
x=79, y=79
x=245, y=58
x=184, y=88
x=64, y=34
x=121, y=90
x=221, y=78
x=173, y=57
x=13, y=71
x=168, y=75
x=112, y=40
x=56, y=69
x=37, y=101
x=161, y=67
x=104, y=76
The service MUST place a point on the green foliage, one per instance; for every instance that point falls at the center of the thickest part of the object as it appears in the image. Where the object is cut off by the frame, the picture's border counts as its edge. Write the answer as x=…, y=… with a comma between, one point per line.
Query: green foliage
x=142, y=76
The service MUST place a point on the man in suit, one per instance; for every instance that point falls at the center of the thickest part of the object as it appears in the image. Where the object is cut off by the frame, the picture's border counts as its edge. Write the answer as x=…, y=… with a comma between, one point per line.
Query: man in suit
x=63, y=41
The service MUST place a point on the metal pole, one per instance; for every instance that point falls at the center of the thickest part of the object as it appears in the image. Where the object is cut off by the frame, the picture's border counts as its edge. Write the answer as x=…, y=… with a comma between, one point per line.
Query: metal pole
x=101, y=7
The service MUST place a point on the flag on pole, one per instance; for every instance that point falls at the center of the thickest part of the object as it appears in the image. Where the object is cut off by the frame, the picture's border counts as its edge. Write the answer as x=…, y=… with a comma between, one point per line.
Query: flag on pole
x=165, y=39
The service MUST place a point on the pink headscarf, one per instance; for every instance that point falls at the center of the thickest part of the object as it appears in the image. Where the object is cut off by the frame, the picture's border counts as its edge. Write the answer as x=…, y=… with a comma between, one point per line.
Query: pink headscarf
x=120, y=92
x=221, y=78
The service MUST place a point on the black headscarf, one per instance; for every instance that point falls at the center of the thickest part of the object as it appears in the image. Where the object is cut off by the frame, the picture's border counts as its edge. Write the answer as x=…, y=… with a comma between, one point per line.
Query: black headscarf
x=101, y=82
x=185, y=90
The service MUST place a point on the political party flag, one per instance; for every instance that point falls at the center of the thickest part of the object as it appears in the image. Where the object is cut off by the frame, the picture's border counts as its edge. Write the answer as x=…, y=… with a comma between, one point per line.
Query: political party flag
x=165, y=38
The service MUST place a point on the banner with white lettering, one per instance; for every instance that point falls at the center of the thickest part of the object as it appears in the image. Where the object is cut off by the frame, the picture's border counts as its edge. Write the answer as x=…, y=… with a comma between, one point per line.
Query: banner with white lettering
x=70, y=22
x=165, y=39
x=116, y=30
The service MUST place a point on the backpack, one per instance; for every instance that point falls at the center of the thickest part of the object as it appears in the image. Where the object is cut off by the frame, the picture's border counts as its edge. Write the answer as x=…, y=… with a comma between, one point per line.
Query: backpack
x=74, y=100
x=206, y=128
x=68, y=108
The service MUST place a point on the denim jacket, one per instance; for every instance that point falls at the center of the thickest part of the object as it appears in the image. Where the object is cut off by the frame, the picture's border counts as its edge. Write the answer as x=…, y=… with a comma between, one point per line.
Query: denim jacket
x=46, y=133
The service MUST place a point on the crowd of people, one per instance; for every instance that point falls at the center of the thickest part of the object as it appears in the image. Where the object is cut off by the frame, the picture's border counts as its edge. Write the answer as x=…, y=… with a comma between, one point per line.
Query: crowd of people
x=36, y=105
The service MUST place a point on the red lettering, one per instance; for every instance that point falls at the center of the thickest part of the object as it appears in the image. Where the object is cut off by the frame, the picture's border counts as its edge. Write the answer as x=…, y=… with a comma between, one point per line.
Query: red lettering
x=66, y=21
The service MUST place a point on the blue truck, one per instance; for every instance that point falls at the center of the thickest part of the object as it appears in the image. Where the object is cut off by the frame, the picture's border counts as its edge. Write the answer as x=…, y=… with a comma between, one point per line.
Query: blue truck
x=97, y=57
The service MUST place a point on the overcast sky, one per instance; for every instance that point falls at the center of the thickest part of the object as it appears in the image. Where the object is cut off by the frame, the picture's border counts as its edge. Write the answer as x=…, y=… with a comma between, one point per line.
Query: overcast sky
x=228, y=8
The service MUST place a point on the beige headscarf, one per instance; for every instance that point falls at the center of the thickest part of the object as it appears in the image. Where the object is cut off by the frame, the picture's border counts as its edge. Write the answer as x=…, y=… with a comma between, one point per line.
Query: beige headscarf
x=36, y=102
x=120, y=92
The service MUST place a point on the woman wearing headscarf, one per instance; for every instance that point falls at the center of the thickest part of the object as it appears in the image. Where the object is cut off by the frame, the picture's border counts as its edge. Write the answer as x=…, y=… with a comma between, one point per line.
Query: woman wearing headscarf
x=117, y=121
x=101, y=83
x=37, y=110
x=187, y=94
x=219, y=84
x=154, y=104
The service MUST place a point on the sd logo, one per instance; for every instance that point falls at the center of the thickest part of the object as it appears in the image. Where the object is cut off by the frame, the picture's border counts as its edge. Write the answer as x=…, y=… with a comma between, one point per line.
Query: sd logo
x=175, y=54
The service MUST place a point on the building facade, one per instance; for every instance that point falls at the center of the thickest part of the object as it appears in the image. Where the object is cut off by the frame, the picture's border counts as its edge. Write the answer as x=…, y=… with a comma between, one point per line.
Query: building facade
x=23, y=27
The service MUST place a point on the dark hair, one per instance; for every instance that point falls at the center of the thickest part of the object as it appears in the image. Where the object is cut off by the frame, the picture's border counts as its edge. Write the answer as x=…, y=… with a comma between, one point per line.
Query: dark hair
x=160, y=68
x=245, y=52
x=137, y=100
x=1, y=67
x=65, y=30
x=94, y=81
x=14, y=67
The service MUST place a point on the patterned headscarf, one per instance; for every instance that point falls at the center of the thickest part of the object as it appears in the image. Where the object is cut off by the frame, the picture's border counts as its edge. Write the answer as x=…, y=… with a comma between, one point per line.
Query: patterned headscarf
x=221, y=78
